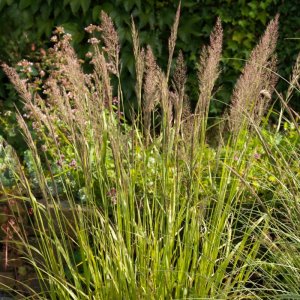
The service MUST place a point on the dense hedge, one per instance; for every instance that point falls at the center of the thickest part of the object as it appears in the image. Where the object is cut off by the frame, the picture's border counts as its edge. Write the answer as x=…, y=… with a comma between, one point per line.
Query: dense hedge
x=26, y=26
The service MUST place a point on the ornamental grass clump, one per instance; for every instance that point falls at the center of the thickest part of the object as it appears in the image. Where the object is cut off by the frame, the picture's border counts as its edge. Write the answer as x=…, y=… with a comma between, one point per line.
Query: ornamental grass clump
x=148, y=209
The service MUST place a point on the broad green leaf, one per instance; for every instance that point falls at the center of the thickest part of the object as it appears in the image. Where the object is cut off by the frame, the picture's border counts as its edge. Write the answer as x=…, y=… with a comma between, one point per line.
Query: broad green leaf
x=85, y=5
x=74, y=30
x=110, y=9
x=138, y=4
x=243, y=23
x=57, y=11
x=253, y=5
x=75, y=5
x=128, y=5
x=35, y=6
x=238, y=36
x=45, y=12
x=2, y=4
x=96, y=13
x=262, y=16
x=24, y=3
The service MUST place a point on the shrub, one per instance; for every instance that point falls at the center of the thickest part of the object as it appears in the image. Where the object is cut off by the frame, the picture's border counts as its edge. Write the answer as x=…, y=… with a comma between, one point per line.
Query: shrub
x=159, y=213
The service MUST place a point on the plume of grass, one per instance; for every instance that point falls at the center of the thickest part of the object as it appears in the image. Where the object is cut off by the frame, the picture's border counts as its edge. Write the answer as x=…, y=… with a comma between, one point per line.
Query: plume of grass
x=172, y=40
x=179, y=80
x=112, y=49
x=101, y=74
x=19, y=84
x=151, y=90
x=139, y=55
x=207, y=75
x=253, y=90
x=111, y=40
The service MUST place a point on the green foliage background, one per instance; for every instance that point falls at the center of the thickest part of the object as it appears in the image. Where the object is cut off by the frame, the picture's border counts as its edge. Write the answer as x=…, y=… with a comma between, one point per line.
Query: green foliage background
x=26, y=27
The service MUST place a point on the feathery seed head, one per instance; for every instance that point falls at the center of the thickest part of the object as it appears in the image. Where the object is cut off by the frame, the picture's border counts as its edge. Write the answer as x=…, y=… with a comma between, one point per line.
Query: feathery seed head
x=151, y=79
x=172, y=39
x=110, y=38
x=180, y=73
x=19, y=84
x=91, y=28
x=258, y=75
x=93, y=41
x=209, y=70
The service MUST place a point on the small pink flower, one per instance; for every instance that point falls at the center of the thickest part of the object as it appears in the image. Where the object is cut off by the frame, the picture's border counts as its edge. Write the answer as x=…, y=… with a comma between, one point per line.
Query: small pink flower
x=54, y=39
x=256, y=156
x=59, y=30
x=91, y=28
x=93, y=41
x=73, y=163
x=89, y=54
